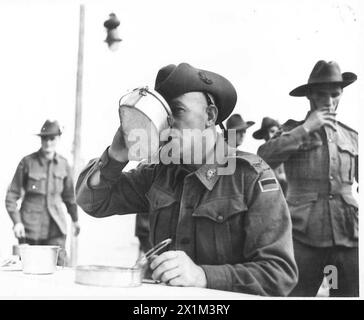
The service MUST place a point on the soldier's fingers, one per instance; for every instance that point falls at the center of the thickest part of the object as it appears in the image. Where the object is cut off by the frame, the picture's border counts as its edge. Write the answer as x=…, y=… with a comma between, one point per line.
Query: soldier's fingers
x=330, y=121
x=330, y=125
x=170, y=275
x=329, y=118
x=20, y=235
x=328, y=115
x=323, y=110
x=163, y=268
x=177, y=281
x=163, y=257
x=152, y=257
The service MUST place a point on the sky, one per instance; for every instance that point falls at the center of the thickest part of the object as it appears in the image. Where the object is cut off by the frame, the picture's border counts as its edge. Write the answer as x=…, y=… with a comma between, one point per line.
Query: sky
x=265, y=48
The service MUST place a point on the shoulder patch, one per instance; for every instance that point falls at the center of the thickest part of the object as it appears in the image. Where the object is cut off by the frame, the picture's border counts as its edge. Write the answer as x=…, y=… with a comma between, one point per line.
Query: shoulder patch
x=268, y=184
x=347, y=127
x=253, y=160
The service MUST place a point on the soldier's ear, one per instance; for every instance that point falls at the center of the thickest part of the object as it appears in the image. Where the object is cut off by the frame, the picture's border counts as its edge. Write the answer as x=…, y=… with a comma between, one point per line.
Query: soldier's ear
x=212, y=113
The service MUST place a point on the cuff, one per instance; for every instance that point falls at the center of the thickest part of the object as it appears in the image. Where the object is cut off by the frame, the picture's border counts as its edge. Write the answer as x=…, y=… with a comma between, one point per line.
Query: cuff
x=110, y=168
x=218, y=277
x=15, y=217
x=73, y=213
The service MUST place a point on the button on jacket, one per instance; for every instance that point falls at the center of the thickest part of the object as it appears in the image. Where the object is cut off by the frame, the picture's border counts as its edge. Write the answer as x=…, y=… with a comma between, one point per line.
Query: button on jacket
x=43, y=186
x=236, y=227
x=320, y=169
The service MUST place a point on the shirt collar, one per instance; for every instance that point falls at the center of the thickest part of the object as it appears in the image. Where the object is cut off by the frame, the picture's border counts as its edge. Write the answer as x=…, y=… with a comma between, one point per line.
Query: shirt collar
x=208, y=175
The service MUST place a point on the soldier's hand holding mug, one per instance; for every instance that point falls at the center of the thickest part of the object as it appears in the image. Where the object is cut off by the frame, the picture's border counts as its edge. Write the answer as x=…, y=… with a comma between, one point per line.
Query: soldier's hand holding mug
x=319, y=118
x=118, y=149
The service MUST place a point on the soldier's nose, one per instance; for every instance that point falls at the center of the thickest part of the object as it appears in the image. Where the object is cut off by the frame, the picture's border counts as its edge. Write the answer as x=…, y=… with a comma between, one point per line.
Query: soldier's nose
x=329, y=102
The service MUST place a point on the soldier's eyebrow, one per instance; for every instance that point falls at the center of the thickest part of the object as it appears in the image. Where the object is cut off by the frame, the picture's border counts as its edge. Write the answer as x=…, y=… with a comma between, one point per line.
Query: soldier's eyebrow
x=176, y=104
x=336, y=93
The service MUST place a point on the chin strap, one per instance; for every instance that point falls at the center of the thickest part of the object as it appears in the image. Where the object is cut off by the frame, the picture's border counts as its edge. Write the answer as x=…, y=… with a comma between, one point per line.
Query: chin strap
x=224, y=131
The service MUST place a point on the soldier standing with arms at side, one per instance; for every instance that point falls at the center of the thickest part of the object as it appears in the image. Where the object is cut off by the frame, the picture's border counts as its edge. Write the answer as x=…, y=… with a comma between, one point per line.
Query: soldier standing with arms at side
x=320, y=156
x=43, y=180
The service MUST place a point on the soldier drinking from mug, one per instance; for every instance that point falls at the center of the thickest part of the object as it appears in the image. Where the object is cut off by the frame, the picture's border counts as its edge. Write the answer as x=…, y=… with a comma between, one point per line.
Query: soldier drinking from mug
x=229, y=231
x=320, y=156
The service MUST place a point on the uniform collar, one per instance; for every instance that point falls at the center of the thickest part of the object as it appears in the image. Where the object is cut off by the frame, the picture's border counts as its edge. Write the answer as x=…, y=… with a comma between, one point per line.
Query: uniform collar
x=42, y=160
x=208, y=174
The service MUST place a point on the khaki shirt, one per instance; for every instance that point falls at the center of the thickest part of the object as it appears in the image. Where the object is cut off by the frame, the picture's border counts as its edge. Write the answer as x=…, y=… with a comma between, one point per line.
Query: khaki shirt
x=236, y=227
x=320, y=170
x=43, y=187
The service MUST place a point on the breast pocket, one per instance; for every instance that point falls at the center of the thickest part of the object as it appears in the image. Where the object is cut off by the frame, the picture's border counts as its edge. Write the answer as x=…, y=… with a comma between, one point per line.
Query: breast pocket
x=219, y=228
x=58, y=181
x=301, y=206
x=36, y=183
x=347, y=155
x=161, y=209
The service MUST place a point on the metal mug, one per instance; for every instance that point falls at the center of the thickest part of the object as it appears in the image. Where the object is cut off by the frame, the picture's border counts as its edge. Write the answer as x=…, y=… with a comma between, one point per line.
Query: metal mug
x=144, y=114
x=16, y=249
x=39, y=259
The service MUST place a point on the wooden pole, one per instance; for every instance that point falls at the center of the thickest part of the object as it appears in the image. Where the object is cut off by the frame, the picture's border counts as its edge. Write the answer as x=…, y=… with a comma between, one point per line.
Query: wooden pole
x=78, y=121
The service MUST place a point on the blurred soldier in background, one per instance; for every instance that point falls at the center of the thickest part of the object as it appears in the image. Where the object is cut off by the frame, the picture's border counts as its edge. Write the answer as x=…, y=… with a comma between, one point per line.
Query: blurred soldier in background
x=267, y=130
x=320, y=156
x=236, y=122
x=43, y=181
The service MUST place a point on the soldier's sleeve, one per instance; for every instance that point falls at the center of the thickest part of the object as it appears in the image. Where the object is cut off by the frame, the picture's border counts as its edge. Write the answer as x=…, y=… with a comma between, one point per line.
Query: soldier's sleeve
x=278, y=149
x=68, y=194
x=117, y=192
x=14, y=192
x=269, y=267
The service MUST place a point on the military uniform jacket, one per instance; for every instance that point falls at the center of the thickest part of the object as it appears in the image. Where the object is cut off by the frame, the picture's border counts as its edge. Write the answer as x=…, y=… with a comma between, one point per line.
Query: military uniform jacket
x=236, y=227
x=320, y=169
x=43, y=186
